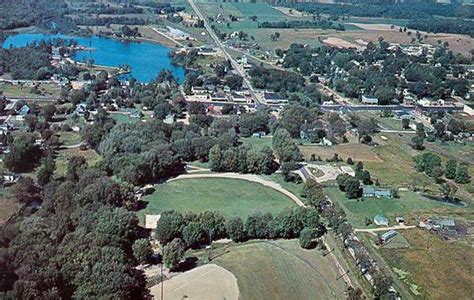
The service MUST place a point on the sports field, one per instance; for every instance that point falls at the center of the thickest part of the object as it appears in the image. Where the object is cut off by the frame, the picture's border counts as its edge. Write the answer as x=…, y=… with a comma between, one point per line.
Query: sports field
x=229, y=196
x=282, y=270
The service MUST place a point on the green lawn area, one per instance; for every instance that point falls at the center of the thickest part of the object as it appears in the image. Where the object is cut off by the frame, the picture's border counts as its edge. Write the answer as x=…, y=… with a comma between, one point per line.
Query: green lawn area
x=357, y=211
x=69, y=138
x=229, y=196
x=123, y=118
x=257, y=143
x=64, y=155
x=282, y=270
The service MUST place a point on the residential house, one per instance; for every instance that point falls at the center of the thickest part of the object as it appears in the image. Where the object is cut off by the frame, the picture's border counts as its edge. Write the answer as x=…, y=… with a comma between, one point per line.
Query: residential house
x=81, y=109
x=370, y=100
x=24, y=110
x=371, y=191
x=273, y=98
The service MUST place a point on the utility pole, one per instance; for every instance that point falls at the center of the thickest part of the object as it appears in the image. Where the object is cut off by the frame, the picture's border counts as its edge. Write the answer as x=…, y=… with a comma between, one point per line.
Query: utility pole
x=162, y=280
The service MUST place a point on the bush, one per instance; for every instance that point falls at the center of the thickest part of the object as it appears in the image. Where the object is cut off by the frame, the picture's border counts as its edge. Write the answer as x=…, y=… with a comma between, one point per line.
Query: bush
x=307, y=238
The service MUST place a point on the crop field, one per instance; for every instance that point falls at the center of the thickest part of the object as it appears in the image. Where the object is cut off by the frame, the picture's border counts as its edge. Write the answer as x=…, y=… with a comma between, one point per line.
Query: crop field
x=229, y=196
x=282, y=270
x=433, y=268
x=358, y=210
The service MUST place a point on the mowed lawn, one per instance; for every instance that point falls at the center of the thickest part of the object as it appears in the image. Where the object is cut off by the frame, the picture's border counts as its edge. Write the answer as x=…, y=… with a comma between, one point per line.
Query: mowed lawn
x=282, y=270
x=232, y=197
x=357, y=211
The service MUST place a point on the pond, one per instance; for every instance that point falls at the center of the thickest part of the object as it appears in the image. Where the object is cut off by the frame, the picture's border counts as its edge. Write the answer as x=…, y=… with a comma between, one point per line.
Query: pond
x=145, y=58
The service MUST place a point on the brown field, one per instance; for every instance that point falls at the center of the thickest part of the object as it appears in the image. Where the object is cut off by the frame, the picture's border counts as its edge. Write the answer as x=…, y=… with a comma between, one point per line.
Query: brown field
x=207, y=282
x=340, y=43
x=441, y=269
x=292, y=13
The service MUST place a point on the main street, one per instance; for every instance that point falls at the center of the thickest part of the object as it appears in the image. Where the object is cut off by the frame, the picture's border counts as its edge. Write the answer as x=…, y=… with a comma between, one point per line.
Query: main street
x=236, y=66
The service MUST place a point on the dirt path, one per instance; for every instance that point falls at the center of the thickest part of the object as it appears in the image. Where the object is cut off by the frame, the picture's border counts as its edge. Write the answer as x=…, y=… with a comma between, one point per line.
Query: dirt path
x=248, y=177
x=368, y=230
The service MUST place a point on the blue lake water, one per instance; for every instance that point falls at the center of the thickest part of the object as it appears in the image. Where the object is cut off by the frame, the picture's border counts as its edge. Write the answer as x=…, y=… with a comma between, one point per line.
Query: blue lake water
x=146, y=59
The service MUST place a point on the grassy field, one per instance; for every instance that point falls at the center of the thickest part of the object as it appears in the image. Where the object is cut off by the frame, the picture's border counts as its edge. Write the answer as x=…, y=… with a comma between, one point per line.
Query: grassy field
x=64, y=155
x=46, y=89
x=440, y=269
x=282, y=270
x=408, y=202
x=229, y=196
x=358, y=152
x=257, y=143
x=69, y=138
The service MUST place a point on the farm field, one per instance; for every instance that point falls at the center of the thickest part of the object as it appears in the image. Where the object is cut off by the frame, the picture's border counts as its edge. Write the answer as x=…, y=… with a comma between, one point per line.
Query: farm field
x=408, y=202
x=282, y=270
x=439, y=269
x=229, y=196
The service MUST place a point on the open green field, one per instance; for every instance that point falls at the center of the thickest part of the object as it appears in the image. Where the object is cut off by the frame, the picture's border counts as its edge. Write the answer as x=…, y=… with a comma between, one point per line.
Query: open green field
x=229, y=196
x=282, y=270
x=408, y=202
x=257, y=143
x=63, y=157
x=8, y=204
x=69, y=138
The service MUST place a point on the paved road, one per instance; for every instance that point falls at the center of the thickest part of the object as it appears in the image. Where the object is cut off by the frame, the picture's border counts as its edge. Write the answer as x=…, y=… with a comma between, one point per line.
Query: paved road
x=227, y=56
x=368, y=230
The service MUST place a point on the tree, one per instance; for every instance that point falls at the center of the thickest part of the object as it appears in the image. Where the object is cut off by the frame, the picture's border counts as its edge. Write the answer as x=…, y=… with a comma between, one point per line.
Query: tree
x=450, y=170
x=142, y=251
x=23, y=155
x=213, y=224
x=426, y=162
x=306, y=238
x=46, y=171
x=235, y=229
x=169, y=226
x=448, y=190
x=417, y=142
x=48, y=112
x=352, y=188
x=26, y=191
x=215, y=158
x=173, y=252
x=405, y=123
x=437, y=174
x=382, y=285
x=462, y=174
x=193, y=234
x=314, y=194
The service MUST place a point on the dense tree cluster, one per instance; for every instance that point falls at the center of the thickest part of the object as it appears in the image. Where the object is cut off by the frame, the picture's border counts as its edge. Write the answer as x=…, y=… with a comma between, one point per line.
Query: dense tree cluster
x=31, y=62
x=78, y=244
x=322, y=24
x=276, y=80
x=178, y=231
x=412, y=10
x=242, y=159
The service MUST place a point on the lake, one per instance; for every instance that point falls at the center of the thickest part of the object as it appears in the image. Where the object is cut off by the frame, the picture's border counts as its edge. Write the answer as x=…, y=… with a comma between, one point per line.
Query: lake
x=145, y=58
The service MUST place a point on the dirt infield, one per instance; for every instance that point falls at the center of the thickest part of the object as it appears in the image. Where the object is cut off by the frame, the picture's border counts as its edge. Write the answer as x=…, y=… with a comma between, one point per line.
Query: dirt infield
x=340, y=43
x=207, y=282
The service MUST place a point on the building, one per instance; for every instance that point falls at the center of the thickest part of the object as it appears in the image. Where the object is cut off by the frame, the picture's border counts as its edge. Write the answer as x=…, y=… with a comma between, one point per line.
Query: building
x=81, y=109
x=371, y=191
x=10, y=177
x=239, y=98
x=218, y=97
x=169, y=119
x=380, y=220
x=370, y=100
x=469, y=109
x=24, y=110
x=387, y=236
x=273, y=98
x=446, y=224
